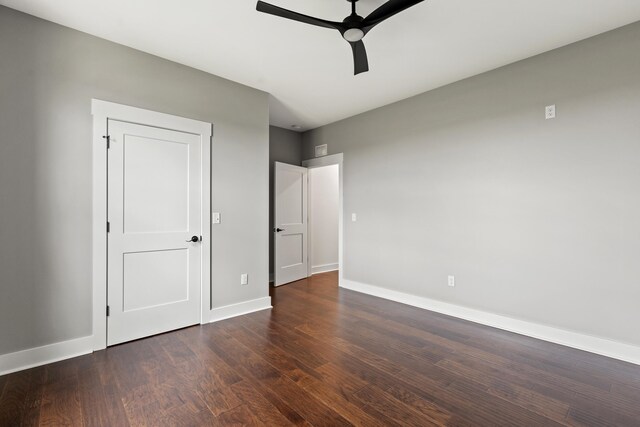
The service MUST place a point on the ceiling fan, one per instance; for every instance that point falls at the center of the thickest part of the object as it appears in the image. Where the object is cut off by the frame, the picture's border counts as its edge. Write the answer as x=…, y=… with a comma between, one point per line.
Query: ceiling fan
x=353, y=28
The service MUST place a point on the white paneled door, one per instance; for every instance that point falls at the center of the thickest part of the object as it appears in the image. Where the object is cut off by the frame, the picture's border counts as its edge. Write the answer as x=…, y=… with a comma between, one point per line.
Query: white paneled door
x=154, y=239
x=290, y=233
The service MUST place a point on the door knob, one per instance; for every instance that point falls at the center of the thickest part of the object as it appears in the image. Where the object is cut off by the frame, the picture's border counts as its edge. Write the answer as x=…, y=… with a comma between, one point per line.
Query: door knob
x=194, y=239
x=277, y=230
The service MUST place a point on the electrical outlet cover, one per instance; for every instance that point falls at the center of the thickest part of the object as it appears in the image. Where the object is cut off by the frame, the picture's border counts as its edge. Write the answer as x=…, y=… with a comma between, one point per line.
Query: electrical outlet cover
x=550, y=112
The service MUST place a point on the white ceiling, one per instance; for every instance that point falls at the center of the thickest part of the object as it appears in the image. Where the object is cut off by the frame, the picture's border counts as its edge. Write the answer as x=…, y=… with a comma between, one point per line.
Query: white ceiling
x=309, y=70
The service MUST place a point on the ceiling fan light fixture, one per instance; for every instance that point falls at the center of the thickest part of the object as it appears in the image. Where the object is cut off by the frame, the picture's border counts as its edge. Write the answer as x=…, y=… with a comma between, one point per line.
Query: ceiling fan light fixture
x=353, y=35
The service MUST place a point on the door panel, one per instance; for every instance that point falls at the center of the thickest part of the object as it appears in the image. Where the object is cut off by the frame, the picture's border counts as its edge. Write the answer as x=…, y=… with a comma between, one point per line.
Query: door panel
x=291, y=220
x=154, y=208
x=155, y=278
x=290, y=194
x=292, y=250
x=162, y=202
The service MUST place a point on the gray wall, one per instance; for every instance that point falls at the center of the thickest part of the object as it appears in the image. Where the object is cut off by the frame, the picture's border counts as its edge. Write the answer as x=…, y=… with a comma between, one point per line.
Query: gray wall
x=48, y=75
x=285, y=146
x=538, y=220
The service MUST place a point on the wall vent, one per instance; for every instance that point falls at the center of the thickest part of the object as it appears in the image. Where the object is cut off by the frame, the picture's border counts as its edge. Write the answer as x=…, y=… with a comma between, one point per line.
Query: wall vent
x=321, y=150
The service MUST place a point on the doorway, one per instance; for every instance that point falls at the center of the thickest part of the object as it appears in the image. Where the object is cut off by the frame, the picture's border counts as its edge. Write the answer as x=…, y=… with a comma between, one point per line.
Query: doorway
x=308, y=216
x=152, y=192
x=324, y=211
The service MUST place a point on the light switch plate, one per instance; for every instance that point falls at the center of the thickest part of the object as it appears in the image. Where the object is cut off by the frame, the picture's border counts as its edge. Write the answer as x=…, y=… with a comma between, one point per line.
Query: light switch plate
x=215, y=217
x=244, y=279
x=354, y=217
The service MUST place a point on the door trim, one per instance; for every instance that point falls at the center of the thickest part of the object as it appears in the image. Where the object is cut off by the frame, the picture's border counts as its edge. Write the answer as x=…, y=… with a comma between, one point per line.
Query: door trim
x=318, y=162
x=103, y=111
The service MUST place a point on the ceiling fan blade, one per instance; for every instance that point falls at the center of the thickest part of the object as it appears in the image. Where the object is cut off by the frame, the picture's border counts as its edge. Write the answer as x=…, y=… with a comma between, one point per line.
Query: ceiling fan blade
x=361, y=64
x=285, y=13
x=387, y=10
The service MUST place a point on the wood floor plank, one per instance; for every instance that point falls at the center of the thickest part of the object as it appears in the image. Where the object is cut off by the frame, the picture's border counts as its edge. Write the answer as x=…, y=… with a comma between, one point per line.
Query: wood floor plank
x=314, y=411
x=328, y=356
x=343, y=401
x=93, y=402
x=260, y=406
x=21, y=397
x=110, y=389
x=240, y=416
x=339, y=379
x=3, y=381
x=33, y=398
x=199, y=344
x=61, y=403
x=588, y=417
x=393, y=408
x=529, y=399
x=629, y=393
x=279, y=358
x=217, y=397
x=147, y=414
x=571, y=392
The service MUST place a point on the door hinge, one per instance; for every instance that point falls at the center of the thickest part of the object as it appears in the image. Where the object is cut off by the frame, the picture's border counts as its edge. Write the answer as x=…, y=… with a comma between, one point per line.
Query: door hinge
x=108, y=311
x=108, y=227
x=108, y=139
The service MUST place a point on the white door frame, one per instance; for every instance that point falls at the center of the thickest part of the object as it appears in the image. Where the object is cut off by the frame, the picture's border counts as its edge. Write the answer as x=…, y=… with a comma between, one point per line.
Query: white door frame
x=102, y=111
x=318, y=162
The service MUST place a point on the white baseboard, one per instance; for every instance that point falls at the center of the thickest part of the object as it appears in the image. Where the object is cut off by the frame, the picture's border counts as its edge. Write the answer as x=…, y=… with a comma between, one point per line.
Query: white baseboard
x=233, y=310
x=32, y=357
x=38, y=356
x=592, y=344
x=324, y=268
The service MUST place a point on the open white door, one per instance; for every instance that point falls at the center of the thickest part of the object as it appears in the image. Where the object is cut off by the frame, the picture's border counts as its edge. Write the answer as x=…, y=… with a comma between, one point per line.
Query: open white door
x=154, y=241
x=290, y=233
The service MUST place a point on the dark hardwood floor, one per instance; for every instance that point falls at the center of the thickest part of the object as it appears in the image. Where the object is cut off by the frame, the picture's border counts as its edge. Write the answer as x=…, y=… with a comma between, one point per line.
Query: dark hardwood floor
x=328, y=357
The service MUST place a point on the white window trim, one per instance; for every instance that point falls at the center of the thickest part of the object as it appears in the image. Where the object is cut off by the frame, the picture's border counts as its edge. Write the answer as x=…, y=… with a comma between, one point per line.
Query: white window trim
x=102, y=111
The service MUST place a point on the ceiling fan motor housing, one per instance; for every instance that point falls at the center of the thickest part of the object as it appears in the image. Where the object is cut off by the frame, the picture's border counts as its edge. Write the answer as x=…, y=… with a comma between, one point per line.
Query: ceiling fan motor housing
x=354, y=31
